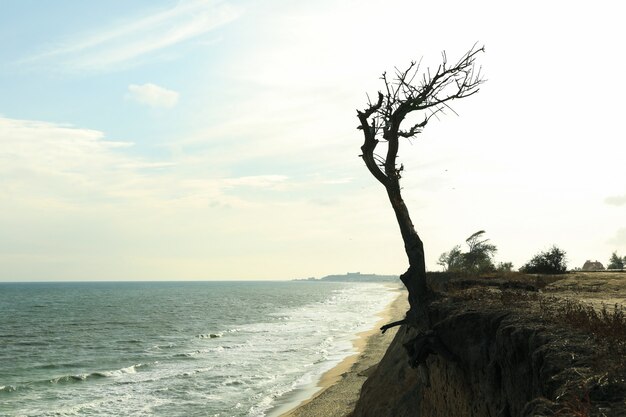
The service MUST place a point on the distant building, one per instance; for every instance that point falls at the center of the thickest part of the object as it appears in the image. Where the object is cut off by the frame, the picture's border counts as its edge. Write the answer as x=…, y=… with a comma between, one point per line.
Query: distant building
x=593, y=266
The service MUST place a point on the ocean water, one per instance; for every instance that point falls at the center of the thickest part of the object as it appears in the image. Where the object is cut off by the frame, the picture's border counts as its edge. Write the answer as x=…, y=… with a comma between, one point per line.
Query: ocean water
x=174, y=349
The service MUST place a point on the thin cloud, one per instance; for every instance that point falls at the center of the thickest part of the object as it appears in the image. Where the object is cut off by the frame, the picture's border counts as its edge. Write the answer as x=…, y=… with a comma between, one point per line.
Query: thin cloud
x=153, y=95
x=257, y=181
x=338, y=181
x=56, y=164
x=617, y=200
x=52, y=160
x=125, y=44
x=620, y=237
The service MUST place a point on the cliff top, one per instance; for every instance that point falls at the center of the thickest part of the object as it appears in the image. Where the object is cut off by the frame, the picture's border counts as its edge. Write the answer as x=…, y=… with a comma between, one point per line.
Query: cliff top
x=509, y=345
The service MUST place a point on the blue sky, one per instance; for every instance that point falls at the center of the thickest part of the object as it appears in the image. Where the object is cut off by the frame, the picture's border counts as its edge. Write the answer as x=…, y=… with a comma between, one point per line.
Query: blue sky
x=206, y=139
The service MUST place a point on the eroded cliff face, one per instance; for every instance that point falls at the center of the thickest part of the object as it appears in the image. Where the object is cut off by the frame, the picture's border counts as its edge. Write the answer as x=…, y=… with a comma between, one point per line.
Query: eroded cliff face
x=503, y=359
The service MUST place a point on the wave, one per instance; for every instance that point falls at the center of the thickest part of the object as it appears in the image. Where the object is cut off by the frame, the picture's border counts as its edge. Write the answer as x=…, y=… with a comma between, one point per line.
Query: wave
x=190, y=354
x=161, y=347
x=70, y=378
x=210, y=335
x=233, y=382
x=128, y=370
x=129, y=341
x=8, y=389
x=99, y=374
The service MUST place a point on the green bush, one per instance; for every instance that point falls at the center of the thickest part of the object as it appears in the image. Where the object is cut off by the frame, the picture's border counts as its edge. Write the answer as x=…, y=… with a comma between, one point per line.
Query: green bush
x=615, y=262
x=504, y=267
x=551, y=262
x=477, y=259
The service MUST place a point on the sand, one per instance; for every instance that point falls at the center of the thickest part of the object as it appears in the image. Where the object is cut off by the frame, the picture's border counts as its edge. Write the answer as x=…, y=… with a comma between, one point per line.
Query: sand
x=341, y=386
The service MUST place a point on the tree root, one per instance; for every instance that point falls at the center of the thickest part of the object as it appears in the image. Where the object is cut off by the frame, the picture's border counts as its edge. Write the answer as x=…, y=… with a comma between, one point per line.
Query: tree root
x=393, y=324
x=425, y=344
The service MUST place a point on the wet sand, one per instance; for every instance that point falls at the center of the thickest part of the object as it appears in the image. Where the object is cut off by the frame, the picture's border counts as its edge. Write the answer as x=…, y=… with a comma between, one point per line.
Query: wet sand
x=340, y=386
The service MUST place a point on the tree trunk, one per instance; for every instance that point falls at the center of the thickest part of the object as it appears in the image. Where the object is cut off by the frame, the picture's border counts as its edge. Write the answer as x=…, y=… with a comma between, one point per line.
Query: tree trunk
x=428, y=93
x=414, y=279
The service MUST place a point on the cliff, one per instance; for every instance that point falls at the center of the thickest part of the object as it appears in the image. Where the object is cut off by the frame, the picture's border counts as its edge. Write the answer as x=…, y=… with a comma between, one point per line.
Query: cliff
x=509, y=346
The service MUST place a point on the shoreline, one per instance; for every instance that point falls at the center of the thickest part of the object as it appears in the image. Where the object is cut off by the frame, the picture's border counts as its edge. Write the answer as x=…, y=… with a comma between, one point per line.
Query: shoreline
x=340, y=386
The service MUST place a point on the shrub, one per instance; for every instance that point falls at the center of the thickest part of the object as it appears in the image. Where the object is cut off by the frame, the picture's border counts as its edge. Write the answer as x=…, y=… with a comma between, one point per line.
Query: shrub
x=615, y=262
x=452, y=261
x=477, y=259
x=504, y=267
x=551, y=262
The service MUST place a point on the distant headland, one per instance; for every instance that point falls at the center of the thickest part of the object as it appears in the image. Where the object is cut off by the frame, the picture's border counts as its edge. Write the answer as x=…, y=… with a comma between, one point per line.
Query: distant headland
x=354, y=277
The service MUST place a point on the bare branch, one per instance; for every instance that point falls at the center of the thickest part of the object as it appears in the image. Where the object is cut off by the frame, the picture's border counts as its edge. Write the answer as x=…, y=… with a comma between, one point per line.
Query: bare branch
x=394, y=324
x=370, y=141
x=402, y=95
x=364, y=115
x=415, y=129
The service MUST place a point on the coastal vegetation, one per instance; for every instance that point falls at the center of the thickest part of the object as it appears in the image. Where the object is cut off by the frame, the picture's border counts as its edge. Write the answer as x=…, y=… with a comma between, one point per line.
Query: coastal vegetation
x=552, y=261
x=510, y=345
x=616, y=262
x=478, y=258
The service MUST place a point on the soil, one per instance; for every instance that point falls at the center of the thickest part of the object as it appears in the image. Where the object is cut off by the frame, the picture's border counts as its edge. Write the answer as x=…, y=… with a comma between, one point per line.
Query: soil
x=511, y=345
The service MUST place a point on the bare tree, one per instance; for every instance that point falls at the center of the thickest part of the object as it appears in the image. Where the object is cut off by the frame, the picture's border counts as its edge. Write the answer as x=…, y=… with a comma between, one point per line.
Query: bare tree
x=408, y=93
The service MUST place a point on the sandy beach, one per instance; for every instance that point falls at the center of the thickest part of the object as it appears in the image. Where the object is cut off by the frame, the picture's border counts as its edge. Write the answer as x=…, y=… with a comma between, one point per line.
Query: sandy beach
x=340, y=387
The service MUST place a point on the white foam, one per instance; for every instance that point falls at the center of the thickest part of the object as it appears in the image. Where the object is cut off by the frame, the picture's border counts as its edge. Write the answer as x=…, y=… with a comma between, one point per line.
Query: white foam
x=119, y=372
x=210, y=335
x=337, y=321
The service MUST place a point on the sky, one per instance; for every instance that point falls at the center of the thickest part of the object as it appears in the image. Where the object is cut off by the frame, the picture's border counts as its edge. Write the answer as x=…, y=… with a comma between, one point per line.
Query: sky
x=206, y=139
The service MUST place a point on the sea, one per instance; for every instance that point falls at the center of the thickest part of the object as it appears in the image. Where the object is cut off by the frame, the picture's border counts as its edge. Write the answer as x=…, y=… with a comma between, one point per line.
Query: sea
x=175, y=348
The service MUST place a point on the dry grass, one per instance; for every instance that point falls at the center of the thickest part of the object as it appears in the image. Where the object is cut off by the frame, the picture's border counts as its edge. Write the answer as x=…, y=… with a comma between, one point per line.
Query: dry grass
x=607, y=325
x=510, y=297
x=608, y=328
x=575, y=406
x=597, y=332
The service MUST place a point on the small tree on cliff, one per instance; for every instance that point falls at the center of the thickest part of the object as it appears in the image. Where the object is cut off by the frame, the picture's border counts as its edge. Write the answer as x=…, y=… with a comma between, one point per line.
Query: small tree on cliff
x=477, y=259
x=615, y=262
x=425, y=94
x=451, y=261
x=479, y=254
